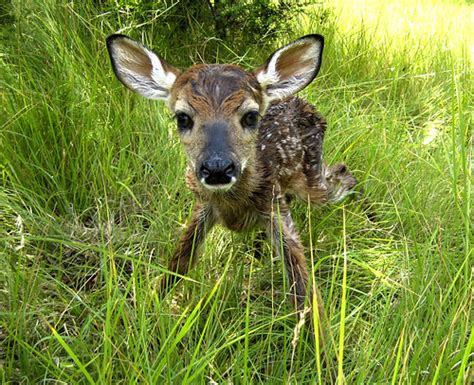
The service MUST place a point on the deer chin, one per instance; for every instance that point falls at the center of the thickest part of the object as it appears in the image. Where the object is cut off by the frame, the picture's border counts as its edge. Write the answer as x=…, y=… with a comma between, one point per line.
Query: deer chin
x=219, y=187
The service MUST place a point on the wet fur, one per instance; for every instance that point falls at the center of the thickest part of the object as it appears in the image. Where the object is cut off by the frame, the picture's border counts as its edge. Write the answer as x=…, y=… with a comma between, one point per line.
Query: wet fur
x=282, y=156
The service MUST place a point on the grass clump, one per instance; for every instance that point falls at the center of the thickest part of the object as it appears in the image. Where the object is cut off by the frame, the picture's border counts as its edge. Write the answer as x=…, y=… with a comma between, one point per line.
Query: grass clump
x=92, y=200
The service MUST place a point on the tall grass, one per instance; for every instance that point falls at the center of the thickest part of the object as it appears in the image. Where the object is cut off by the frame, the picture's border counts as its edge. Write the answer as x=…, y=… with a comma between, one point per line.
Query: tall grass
x=93, y=199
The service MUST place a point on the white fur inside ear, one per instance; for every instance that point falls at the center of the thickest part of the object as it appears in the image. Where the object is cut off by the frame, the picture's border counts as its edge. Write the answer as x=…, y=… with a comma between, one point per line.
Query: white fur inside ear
x=270, y=75
x=165, y=78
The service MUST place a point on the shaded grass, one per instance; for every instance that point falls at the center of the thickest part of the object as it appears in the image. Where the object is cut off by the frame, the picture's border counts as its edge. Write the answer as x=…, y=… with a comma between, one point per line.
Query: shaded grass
x=93, y=200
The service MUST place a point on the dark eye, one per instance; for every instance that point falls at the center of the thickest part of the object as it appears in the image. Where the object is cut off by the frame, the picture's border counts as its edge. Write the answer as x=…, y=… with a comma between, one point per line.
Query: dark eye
x=184, y=121
x=250, y=119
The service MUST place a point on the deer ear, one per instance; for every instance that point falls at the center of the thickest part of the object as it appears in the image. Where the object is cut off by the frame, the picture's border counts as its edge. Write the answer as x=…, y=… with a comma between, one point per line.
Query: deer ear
x=140, y=69
x=292, y=67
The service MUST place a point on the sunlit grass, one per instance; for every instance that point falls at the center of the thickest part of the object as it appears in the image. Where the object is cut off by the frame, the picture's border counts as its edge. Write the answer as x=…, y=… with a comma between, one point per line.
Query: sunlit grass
x=93, y=199
x=397, y=22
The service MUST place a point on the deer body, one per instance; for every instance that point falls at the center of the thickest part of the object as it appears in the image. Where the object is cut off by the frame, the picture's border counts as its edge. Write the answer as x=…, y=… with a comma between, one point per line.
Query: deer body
x=248, y=142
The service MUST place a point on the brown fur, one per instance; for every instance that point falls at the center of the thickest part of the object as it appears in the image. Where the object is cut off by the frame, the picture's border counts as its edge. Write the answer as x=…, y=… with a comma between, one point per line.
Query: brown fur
x=281, y=156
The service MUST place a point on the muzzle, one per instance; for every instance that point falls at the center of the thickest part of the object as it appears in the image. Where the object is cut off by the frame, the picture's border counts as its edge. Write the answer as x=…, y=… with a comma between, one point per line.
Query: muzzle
x=217, y=169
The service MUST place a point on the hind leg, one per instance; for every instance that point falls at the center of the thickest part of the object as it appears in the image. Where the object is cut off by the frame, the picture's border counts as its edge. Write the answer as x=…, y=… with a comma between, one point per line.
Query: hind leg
x=329, y=185
x=339, y=183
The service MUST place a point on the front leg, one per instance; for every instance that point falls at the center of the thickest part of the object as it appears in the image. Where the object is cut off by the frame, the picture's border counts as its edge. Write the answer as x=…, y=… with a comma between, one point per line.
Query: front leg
x=286, y=243
x=186, y=254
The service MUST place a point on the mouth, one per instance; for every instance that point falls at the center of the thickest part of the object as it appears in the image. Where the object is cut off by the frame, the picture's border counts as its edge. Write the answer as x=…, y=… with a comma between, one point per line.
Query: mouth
x=219, y=187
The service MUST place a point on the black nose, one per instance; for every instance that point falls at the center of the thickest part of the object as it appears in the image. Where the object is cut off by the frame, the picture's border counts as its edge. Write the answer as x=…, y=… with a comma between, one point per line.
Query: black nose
x=217, y=171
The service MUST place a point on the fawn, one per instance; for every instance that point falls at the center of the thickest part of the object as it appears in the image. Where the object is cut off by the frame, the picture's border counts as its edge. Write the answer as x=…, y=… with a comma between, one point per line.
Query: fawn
x=248, y=142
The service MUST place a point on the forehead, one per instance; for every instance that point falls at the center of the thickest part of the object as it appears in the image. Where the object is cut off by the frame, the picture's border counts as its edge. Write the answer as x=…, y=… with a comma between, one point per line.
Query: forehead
x=216, y=87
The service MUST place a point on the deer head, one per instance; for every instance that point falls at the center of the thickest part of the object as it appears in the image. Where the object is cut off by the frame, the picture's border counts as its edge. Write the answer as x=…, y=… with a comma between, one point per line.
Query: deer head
x=217, y=107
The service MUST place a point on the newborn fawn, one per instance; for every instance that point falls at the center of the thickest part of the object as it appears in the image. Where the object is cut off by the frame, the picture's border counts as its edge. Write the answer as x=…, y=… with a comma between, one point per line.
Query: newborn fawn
x=249, y=144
